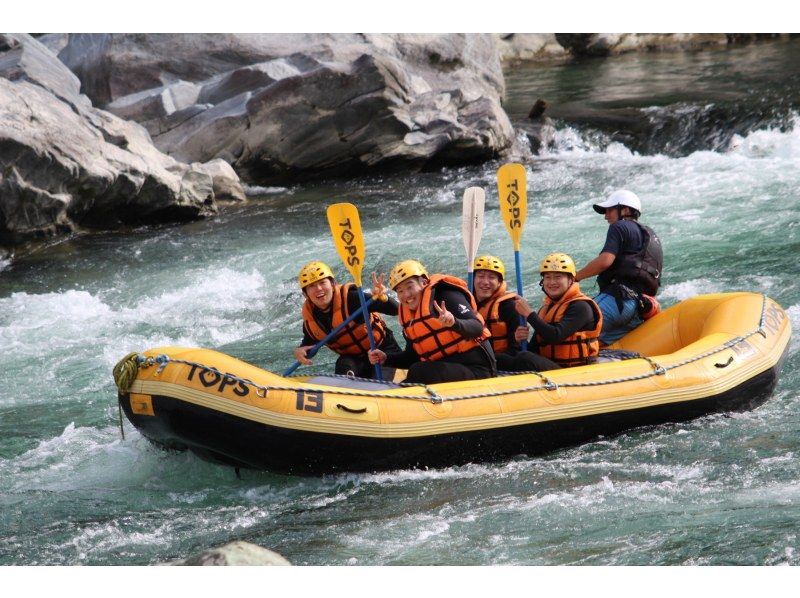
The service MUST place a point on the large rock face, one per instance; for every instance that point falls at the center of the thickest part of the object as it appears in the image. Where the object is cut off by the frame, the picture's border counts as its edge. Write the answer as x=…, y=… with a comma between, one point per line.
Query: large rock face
x=66, y=165
x=283, y=106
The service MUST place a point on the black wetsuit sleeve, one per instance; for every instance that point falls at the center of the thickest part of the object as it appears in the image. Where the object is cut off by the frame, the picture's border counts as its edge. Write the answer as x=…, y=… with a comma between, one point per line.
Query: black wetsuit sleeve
x=307, y=340
x=403, y=359
x=388, y=307
x=512, y=320
x=467, y=323
x=579, y=316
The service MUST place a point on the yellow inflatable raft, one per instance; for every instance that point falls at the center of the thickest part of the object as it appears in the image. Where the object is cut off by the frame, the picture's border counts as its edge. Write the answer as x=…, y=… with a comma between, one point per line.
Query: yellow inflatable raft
x=711, y=353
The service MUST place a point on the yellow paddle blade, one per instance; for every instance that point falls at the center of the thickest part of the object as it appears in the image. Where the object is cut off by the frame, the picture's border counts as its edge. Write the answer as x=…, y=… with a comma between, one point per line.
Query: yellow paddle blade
x=347, y=237
x=512, y=188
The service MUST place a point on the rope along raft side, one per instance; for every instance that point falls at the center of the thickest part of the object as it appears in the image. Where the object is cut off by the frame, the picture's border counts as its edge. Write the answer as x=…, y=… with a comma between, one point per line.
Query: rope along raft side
x=128, y=367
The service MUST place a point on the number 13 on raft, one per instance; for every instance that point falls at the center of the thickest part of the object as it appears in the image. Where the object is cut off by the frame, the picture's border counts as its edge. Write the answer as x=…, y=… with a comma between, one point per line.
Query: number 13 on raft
x=512, y=188
x=349, y=241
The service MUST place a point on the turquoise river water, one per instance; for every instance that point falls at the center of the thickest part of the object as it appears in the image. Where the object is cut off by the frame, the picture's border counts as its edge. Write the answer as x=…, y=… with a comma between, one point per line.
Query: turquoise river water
x=723, y=489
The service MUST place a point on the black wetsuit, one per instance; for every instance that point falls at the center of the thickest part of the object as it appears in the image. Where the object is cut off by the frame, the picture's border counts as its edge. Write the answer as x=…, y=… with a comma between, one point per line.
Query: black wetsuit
x=579, y=315
x=514, y=359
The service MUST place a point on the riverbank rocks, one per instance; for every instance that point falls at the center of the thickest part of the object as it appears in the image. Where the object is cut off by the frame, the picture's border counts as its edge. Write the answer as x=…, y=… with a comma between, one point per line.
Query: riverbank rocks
x=236, y=553
x=281, y=107
x=520, y=47
x=607, y=44
x=65, y=165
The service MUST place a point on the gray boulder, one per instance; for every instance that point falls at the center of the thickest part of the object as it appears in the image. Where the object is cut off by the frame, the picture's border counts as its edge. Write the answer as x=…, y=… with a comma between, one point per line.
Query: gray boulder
x=65, y=165
x=23, y=58
x=539, y=128
x=238, y=553
x=282, y=106
x=519, y=47
x=224, y=180
x=60, y=171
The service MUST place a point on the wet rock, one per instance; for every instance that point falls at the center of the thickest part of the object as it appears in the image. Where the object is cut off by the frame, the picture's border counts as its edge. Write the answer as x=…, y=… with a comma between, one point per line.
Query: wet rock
x=156, y=103
x=287, y=106
x=65, y=165
x=518, y=47
x=539, y=128
x=24, y=58
x=225, y=182
x=236, y=553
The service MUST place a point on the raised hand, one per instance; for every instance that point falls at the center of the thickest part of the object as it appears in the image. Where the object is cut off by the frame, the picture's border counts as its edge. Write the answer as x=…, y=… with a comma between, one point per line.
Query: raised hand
x=523, y=307
x=301, y=354
x=378, y=287
x=445, y=317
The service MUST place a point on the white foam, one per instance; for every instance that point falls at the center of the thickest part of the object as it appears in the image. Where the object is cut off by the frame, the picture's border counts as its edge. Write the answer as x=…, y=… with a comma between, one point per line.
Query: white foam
x=33, y=319
x=770, y=143
x=209, y=309
x=690, y=288
x=254, y=190
x=794, y=317
x=97, y=453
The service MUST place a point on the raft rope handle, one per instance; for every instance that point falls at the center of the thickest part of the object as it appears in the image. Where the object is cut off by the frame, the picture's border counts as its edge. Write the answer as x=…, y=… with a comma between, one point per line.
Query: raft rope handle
x=433, y=397
x=350, y=409
x=726, y=364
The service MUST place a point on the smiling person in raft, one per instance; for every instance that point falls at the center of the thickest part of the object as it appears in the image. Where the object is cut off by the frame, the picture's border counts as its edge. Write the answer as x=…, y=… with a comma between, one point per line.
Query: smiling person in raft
x=497, y=306
x=446, y=339
x=329, y=304
x=566, y=329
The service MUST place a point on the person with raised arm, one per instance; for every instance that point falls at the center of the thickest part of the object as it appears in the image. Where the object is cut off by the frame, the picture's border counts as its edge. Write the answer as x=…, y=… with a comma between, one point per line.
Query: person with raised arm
x=446, y=339
x=329, y=304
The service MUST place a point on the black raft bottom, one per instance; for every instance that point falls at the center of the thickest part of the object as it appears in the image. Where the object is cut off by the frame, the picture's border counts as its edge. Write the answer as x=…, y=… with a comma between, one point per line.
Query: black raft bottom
x=226, y=439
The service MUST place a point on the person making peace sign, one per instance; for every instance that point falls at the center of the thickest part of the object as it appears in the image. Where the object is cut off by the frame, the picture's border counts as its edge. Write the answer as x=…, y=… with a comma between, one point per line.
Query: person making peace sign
x=446, y=339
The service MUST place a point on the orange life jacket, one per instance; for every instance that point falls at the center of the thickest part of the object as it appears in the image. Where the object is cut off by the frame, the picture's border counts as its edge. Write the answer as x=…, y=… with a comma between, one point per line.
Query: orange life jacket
x=581, y=346
x=353, y=338
x=490, y=311
x=429, y=337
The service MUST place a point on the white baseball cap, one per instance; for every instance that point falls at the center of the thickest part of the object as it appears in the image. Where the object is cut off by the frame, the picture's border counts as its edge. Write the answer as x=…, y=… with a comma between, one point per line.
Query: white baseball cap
x=621, y=197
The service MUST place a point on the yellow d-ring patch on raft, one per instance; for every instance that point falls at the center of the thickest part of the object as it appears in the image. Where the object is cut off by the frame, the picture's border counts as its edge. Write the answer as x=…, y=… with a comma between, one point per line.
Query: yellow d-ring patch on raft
x=142, y=404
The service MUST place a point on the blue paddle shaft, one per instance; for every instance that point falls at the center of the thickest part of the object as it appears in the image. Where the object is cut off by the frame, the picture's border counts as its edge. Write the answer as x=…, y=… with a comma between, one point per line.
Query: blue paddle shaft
x=369, y=330
x=331, y=334
x=518, y=268
x=470, y=280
